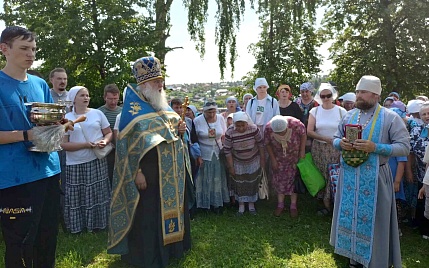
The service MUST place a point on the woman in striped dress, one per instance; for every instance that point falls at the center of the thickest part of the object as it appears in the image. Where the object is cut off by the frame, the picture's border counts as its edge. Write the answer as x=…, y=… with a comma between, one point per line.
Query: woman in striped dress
x=87, y=187
x=244, y=150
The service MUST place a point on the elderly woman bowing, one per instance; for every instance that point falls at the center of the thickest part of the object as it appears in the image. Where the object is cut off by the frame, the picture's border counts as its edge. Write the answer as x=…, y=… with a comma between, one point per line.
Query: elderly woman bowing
x=244, y=150
x=285, y=140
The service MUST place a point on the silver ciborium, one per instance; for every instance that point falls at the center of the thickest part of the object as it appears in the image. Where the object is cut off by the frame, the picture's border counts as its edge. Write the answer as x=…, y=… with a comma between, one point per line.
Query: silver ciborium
x=45, y=117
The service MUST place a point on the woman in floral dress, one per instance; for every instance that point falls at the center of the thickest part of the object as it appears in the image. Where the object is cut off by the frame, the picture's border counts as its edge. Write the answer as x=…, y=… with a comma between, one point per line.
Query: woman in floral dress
x=419, y=142
x=285, y=139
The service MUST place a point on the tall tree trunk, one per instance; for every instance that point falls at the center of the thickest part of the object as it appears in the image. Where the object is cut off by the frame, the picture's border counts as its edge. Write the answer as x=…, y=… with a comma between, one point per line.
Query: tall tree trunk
x=98, y=52
x=162, y=27
x=392, y=81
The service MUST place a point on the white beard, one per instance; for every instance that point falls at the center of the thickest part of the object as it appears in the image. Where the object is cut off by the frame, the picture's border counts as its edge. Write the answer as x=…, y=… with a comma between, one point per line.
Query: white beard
x=157, y=99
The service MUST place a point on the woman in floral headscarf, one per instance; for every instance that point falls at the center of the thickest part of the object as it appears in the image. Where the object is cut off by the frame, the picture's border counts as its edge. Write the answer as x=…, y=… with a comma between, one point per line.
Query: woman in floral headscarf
x=286, y=105
x=285, y=142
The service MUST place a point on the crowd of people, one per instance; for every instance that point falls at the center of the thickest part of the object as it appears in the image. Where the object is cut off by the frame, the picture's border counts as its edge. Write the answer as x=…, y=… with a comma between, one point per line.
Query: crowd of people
x=142, y=171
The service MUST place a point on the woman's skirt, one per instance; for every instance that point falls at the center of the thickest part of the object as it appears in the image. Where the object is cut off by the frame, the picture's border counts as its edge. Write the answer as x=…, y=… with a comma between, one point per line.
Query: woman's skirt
x=87, y=196
x=324, y=154
x=246, y=186
x=211, y=185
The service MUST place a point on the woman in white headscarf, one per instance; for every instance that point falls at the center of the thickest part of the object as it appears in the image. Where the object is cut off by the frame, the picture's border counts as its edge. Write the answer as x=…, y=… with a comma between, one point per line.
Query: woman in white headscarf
x=285, y=140
x=232, y=106
x=211, y=184
x=87, y=187
x=244, y=150
x=246, y=99
x=322, y=125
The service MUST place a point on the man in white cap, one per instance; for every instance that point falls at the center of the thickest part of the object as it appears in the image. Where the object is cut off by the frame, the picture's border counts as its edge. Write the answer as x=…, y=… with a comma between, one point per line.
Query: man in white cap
x=262, y=107
x=149, y=221
x=364, y=225
x=349, y=100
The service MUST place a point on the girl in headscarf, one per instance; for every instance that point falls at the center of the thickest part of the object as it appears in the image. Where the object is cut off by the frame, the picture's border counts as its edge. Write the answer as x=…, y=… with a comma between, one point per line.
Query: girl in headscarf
x=246, y=99
x=244, y=150
x=87, y=187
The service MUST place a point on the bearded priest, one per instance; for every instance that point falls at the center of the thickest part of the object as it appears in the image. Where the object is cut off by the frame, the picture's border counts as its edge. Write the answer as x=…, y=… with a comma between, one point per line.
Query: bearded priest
x=149, y=221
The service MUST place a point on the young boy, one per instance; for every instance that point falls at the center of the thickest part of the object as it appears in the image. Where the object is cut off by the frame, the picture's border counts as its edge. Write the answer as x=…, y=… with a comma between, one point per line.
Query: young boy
x=29, y=186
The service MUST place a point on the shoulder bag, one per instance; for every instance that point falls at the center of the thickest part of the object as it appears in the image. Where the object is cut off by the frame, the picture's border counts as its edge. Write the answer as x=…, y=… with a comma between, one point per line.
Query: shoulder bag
x=99, y=152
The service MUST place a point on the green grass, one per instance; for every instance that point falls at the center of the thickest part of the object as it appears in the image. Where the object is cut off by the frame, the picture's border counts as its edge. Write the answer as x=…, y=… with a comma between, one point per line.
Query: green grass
x=249, y=241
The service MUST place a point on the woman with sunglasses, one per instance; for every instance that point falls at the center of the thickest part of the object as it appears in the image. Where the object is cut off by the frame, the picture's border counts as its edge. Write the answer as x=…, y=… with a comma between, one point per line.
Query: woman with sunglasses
x=322, y=125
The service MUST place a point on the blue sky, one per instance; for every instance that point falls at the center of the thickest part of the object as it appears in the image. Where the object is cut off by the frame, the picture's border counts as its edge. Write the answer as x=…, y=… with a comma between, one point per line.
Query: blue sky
x=186, y=66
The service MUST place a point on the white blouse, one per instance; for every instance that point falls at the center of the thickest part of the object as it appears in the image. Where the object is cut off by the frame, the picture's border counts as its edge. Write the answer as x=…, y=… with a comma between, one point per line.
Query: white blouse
x=217, y=129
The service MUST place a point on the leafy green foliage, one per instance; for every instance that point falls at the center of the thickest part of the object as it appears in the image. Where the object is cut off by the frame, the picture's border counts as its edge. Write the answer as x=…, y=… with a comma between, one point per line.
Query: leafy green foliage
x=95, y=41
x=286, y=52
x=388, y=39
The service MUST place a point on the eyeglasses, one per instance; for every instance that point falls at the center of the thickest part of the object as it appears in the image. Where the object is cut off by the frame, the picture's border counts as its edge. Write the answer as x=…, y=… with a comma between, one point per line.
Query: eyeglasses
x=326, y=96
x=285, y=88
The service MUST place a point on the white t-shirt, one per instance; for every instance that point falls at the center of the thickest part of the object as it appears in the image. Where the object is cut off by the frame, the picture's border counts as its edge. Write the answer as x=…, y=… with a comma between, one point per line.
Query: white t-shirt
x=117, y=121
x=260, y=109
x=94, y=123
x=327, y=120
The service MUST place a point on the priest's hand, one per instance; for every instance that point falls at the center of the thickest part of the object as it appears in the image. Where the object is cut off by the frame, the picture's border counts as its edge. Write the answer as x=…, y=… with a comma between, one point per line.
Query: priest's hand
x=364, y=145
x=182, y=127
x=140, y=181
x=346, y=144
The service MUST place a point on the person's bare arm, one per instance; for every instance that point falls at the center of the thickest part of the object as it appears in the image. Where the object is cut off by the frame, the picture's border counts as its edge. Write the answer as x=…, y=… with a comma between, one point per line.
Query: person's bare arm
x=302, y=146
x=7, y=137
x=107, y=133
x=311, y=127
x=75, y=146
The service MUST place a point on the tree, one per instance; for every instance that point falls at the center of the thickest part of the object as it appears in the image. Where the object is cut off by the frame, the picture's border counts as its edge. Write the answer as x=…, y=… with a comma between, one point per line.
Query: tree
x=228, y=16
x=95, y=41
x=386, y=38
x=286, y=52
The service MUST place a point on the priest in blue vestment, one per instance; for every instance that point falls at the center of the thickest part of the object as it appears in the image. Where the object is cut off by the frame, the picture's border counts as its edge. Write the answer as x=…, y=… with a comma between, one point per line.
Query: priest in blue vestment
x=149, y=221
x=364, y=225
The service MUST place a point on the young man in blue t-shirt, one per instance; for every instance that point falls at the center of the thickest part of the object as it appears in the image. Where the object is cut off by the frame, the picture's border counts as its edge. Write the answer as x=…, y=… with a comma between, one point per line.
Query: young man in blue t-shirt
x=29, y=181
